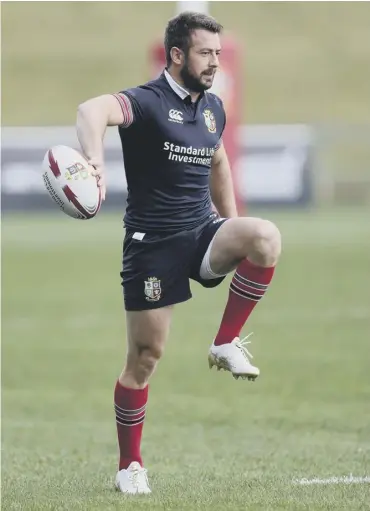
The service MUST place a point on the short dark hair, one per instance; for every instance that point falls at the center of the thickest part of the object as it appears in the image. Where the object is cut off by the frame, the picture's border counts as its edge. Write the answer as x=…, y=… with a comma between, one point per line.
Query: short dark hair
x=179, y=29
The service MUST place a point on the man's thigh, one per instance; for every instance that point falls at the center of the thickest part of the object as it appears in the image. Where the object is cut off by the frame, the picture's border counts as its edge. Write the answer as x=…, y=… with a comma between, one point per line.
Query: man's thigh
x=231, y=243
x=200, y=269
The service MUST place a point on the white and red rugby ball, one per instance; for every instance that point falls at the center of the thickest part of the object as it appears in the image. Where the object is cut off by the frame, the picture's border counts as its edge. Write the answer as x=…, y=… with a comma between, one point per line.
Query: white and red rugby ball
x=67, y=178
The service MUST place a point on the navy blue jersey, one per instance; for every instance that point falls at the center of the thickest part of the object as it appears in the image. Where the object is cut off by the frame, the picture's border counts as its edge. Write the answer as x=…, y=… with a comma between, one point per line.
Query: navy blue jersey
x=168, y=143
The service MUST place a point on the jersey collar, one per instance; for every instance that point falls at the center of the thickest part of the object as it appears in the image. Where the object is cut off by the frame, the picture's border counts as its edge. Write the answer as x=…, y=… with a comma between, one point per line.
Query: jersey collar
x=180, y=91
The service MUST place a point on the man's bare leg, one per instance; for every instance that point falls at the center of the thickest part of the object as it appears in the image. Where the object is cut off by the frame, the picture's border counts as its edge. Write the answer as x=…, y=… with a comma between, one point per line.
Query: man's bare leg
x=147, y=332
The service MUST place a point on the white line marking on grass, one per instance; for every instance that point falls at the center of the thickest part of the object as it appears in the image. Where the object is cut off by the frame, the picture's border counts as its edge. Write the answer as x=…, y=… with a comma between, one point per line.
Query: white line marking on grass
x=333, y=480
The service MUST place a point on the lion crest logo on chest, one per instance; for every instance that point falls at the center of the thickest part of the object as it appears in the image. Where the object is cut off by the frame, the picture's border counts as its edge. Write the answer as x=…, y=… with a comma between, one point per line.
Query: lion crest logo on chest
x=210, y=120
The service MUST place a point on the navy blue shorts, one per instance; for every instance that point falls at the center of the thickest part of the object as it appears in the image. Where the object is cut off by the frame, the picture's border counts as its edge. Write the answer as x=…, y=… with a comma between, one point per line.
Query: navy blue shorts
x=158, y=267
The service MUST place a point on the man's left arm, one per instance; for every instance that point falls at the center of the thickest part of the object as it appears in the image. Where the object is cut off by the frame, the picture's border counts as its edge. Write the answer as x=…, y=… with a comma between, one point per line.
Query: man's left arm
x=221, y=184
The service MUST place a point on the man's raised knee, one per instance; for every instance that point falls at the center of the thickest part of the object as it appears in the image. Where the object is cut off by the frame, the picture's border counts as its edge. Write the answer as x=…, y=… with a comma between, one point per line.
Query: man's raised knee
x=266, y=246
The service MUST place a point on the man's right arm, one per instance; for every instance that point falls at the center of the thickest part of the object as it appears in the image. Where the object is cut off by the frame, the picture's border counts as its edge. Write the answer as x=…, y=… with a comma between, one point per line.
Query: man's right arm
x=93, y=117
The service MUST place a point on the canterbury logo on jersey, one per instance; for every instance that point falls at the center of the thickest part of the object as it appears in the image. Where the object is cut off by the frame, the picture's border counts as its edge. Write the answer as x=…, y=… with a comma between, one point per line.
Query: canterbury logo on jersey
x=175, y=116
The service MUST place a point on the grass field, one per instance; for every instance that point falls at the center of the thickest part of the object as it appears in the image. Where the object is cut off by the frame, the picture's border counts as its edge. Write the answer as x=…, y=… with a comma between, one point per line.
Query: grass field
x=211, y=443
x=301, y=61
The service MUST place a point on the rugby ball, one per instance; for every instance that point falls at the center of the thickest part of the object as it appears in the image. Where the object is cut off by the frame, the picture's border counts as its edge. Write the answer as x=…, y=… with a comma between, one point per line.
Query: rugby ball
x=67, y=178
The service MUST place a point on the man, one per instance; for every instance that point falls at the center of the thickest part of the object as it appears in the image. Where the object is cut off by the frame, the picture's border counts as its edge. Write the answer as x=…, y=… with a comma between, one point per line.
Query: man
x=175, y=163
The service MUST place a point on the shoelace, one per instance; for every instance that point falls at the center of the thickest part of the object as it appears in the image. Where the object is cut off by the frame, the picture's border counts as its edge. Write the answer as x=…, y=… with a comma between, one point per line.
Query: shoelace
x=242, y=346
x=134, y=476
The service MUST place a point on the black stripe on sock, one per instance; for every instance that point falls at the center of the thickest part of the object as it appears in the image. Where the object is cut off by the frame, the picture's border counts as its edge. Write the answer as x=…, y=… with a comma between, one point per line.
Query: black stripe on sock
x=251, y=296
x=130, y=422
x=250, y=283
x=122, y=411
x=123, y=416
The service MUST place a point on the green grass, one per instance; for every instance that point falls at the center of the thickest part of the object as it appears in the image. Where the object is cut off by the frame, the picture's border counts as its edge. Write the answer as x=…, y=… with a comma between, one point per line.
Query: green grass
x=301, y=61
x=210, y=442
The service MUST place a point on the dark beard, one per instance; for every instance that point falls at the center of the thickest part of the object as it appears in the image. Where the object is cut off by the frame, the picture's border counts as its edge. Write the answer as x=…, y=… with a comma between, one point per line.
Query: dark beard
x=190, y=82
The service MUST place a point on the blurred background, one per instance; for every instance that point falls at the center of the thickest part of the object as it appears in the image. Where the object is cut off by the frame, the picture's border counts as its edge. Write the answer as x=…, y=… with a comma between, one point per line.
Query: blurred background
x=295, y=80
x=302, y=65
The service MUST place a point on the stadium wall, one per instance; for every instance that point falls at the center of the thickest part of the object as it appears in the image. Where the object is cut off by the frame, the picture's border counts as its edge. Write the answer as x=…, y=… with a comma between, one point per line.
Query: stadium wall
x=274, y=167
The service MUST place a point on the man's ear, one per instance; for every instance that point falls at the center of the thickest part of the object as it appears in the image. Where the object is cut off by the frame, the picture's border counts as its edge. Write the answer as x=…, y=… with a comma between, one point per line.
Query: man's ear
x=177, y=56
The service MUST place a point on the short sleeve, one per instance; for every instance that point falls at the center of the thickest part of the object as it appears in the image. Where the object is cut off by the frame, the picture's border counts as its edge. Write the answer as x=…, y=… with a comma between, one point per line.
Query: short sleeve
x=126, y=107
x=135, y=105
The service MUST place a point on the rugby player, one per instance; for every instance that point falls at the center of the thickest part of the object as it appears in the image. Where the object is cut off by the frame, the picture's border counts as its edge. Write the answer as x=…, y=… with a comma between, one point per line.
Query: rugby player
x=176, y=166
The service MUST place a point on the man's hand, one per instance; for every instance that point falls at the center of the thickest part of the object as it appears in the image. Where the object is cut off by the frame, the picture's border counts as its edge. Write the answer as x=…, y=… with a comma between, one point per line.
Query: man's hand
x=99, y=173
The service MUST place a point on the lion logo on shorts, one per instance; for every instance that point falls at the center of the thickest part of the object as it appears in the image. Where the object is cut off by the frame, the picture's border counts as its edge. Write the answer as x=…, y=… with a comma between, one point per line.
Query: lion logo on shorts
x=152, y=289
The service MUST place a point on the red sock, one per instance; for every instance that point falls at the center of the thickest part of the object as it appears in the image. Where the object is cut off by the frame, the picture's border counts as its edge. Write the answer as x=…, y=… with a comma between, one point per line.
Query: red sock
x=249, y=284
x=129, y=405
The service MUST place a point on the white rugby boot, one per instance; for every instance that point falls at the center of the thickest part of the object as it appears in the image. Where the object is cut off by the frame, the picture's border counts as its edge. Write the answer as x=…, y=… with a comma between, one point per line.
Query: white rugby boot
x=133, y=479
x=233, y=357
